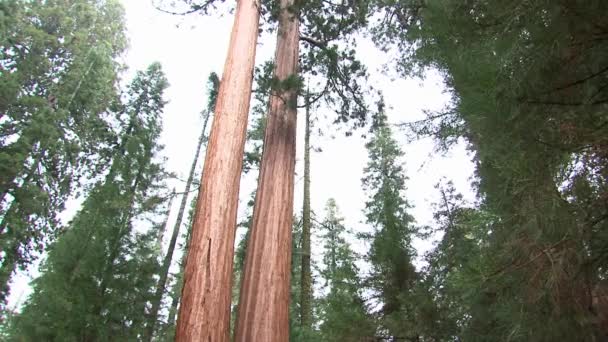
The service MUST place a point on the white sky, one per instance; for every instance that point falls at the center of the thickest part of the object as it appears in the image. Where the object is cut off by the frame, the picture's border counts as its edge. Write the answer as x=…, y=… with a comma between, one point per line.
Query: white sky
x=191, y=47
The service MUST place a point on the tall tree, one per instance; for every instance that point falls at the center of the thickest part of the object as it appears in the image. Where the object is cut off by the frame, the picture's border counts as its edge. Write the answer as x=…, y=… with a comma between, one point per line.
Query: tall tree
x=529, y=97
x=164, y=271
x=340, y=67
x=205, y=305
x=99, y=275
x=341, y=71
x=58, y=80
x=453, y=268
x=392, y=276
x=168, y=331
x=265, y=316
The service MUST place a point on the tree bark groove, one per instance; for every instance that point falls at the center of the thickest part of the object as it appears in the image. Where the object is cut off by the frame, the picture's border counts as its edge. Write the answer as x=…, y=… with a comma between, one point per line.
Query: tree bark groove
x=264, y=303
x=204, y=313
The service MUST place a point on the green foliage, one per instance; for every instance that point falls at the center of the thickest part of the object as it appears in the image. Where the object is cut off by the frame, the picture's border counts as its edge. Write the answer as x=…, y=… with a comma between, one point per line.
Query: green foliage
x=58, y=83
x=327, y=53
x=99, y=275
x=392, y=277
x=343, y=313
x=213, y=88
x=529, y=89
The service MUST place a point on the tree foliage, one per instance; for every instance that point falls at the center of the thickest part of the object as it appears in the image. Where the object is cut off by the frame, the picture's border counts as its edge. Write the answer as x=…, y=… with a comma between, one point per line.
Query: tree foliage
x=99, y=275
x=392, y=276
x=56, y=88
x=343, y=312
x=529, y=85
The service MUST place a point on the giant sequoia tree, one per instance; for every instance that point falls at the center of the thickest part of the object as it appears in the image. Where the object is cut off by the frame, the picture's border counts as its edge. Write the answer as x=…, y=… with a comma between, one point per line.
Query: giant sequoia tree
x=268, y=256
x=264, y=315
x=205, y=305
x=98, y=277
x=57, y=82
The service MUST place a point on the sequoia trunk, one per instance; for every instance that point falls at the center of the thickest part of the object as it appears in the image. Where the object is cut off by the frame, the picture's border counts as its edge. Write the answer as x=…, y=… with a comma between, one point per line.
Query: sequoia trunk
x=264, y=302
x=204, y=313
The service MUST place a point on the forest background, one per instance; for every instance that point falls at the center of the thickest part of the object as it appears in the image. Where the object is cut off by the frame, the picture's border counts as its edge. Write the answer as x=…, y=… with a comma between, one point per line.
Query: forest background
x=193, y=46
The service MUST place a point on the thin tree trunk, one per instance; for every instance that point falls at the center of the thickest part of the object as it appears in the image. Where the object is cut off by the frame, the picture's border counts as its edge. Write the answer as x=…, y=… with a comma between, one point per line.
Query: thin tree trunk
x=306, y=280
x=204, y=313
x=164, y=271
x=264, y=301
x=161, y=231
x=178, y=285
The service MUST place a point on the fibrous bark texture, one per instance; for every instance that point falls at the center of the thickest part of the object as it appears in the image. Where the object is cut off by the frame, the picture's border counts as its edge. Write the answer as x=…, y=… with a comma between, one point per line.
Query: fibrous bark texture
x=164, y=272
x=204, y=313
x=264, y=303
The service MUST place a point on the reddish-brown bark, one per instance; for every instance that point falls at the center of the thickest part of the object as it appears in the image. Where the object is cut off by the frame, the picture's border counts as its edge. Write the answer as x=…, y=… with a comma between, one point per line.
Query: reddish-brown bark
x=204, y=313
x=264, y=303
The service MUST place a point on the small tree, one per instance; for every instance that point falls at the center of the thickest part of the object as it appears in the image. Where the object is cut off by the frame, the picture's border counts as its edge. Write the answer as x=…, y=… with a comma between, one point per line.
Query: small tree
x=343, y=313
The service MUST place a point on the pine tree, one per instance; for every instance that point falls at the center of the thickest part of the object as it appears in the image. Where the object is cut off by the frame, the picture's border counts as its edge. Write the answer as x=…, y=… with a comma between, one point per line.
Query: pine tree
x=58, y=81
x=344, y=314
x=529, y=96
x=99, y=275
x=392, y=276
x=452, y=274
x=306, y=275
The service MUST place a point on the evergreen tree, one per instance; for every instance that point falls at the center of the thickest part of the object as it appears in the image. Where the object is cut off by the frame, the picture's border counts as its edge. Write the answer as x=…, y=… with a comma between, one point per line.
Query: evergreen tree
x=306, y=273
x=167, y=330
x=392, y=276
x=99, y=275
x=268, y=261
x=529, y=92
x=59, y=73
x=344, y=315
x=455, y=267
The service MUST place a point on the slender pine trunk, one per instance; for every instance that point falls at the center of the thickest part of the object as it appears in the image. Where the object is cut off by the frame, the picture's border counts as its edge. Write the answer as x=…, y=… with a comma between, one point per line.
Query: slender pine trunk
x=161, y=231
x=178, y=285
x=204, y=313
x=264, y=300
x=164, y=271
x=306, y=277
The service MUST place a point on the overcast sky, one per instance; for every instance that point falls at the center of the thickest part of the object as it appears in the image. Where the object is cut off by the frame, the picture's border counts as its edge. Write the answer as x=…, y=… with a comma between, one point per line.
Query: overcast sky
x=190, y=47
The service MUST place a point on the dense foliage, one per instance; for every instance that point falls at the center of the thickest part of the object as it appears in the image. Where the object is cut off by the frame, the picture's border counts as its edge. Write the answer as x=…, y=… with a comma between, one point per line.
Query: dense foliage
x=57, y=84
x=99, y=275
x=529, y=86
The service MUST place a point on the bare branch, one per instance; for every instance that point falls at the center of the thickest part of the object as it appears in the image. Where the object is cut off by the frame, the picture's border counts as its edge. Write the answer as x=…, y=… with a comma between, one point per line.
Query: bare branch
x=314, y=42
